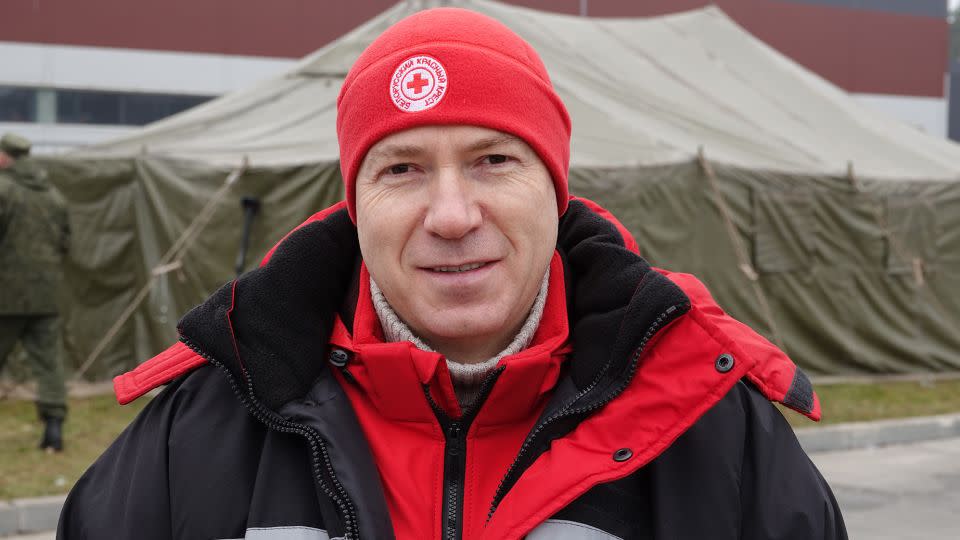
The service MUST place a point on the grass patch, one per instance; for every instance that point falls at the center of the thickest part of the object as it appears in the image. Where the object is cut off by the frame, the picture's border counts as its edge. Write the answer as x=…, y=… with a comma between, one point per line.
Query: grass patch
x=875, y=401
x=91, y=425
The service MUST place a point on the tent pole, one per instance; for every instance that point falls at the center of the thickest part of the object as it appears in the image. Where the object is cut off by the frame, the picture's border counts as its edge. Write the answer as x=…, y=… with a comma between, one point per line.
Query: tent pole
x=851, y=177
x=170, y=261
x=742, y=259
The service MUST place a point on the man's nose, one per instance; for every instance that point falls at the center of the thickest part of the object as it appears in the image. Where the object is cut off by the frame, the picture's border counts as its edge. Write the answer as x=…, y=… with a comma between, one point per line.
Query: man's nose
x=452, y=210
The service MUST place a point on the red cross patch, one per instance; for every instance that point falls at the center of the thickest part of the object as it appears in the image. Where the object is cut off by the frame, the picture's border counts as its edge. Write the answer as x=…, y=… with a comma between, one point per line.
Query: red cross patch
x=418, y=84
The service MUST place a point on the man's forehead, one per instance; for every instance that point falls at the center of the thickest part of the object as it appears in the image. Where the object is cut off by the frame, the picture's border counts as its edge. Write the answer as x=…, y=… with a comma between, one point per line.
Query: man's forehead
x=423, y=139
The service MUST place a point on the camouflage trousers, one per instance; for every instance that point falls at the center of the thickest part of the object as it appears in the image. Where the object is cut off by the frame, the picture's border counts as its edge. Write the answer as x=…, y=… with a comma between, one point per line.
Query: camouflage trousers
x=39, y=335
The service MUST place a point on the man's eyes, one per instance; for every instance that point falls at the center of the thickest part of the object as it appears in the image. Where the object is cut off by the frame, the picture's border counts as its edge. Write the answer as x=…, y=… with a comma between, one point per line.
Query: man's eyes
x=400, y=168
x=496, y=159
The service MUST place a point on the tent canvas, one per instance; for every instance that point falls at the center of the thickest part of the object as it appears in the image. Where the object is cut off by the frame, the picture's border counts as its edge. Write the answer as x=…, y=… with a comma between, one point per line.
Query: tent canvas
x=833, y=230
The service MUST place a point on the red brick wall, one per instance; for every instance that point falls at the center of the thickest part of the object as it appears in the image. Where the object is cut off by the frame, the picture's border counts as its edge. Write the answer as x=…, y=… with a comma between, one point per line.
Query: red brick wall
x=859, y=50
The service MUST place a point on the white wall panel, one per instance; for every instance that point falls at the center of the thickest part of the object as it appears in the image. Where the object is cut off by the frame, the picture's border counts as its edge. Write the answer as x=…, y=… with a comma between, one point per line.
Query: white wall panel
x=928, y=114
x=99, y=68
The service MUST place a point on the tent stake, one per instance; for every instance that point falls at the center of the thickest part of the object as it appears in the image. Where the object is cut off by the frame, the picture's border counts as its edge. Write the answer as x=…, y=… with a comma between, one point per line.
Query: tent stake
x=918, y=271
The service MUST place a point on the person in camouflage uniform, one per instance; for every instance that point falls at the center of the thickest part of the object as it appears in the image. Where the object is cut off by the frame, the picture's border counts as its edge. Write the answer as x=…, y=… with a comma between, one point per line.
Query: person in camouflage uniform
x=34, y=238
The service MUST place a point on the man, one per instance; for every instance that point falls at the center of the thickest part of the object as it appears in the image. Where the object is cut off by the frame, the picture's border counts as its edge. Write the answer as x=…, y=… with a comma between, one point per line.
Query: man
x=34, y=238
x=459, y=350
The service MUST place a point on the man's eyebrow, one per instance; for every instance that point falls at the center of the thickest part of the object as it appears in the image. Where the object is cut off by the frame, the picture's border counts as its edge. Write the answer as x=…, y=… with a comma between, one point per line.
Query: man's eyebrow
x=393, y=151
x=396, y=151
x=490, y=142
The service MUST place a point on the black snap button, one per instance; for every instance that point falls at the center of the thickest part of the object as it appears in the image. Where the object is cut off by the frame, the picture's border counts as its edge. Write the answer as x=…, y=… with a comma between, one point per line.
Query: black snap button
x=724, y=363
x=339, y=357
x=622, y=454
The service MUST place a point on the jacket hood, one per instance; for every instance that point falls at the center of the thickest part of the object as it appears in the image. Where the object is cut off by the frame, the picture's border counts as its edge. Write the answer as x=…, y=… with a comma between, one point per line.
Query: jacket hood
x=271, y=327
x=28, y=174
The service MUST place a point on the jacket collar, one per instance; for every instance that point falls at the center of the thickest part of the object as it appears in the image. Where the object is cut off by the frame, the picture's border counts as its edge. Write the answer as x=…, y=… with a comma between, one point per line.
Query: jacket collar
x=394, y=374
x=272, y=326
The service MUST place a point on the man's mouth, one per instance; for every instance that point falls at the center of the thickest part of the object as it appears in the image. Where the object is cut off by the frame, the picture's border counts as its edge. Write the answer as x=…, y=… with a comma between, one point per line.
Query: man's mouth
x=461, y=268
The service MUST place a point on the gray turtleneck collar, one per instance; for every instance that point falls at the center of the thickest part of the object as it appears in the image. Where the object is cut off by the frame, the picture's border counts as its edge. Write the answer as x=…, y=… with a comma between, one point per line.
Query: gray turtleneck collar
x=466, y=377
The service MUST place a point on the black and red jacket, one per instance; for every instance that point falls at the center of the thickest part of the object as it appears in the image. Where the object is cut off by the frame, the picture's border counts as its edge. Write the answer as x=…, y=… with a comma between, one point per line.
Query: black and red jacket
x=640, y=410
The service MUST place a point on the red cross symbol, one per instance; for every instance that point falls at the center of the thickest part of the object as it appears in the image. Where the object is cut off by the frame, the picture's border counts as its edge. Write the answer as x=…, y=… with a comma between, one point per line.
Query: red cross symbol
x=417, y=83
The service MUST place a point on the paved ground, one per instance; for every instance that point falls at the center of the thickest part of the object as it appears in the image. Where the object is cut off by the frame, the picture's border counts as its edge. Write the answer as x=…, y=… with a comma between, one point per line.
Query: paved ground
x=898, y=492
x=894, y=493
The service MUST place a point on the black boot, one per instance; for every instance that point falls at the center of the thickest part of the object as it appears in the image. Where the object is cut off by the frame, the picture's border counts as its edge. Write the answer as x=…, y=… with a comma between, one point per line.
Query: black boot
x=52, y=434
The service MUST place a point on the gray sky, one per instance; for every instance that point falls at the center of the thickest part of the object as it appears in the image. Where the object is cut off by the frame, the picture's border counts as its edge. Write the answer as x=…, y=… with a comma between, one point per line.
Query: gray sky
x=953, y=3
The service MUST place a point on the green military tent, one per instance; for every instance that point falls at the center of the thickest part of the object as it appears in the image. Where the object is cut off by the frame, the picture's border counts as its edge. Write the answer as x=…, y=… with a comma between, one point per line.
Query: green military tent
x=831, y=229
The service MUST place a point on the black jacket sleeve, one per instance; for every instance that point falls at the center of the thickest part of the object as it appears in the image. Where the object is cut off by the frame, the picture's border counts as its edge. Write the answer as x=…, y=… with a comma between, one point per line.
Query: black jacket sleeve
x=125, y=493
x=783, y=495
x=182, y=453
x=739, y=473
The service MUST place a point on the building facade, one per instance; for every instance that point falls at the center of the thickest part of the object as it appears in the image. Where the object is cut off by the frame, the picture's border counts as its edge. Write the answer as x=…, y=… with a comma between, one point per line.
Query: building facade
x=75, y=72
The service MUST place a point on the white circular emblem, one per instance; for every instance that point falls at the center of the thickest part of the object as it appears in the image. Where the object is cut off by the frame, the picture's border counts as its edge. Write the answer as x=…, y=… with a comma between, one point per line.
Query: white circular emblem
x=418, y=84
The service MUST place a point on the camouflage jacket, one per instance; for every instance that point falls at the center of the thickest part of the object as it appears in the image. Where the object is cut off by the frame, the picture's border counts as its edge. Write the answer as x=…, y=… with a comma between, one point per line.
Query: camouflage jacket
x=34, y=238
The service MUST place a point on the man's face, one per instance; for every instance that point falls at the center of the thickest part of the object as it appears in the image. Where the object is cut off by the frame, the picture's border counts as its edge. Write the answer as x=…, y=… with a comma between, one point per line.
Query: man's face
x=5, y=160
x=457, y=225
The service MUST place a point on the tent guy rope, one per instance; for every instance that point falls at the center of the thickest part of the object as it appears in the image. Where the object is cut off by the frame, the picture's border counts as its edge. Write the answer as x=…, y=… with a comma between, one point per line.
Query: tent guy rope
x=742, y=259
x=170, y=261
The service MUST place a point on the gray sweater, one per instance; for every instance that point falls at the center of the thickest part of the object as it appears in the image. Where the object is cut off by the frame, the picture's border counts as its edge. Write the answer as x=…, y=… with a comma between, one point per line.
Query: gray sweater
x=466, y=377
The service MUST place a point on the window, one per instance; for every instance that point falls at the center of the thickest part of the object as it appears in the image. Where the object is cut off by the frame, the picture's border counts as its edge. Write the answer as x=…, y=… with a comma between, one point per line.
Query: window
x=62, y=106
x=119, y=108
x=18, y=104
x=141, y=109
x=82, y=107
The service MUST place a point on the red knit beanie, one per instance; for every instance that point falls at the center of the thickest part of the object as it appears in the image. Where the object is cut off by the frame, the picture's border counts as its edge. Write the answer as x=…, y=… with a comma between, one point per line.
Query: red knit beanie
x=451, y=66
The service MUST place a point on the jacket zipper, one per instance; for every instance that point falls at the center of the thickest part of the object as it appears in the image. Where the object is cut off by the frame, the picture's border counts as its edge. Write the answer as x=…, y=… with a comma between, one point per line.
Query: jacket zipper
x=320, y=457
x=455, y=455
x=454, y=463
x=569, y=410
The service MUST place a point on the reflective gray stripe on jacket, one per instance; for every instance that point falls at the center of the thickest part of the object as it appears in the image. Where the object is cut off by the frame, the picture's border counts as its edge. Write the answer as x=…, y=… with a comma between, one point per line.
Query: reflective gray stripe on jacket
x=552, y=529
x=290, y=532
x=561, y=529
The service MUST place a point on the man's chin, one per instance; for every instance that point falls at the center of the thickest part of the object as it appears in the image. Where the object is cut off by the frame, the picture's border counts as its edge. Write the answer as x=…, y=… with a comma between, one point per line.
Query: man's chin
x=464, y=329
